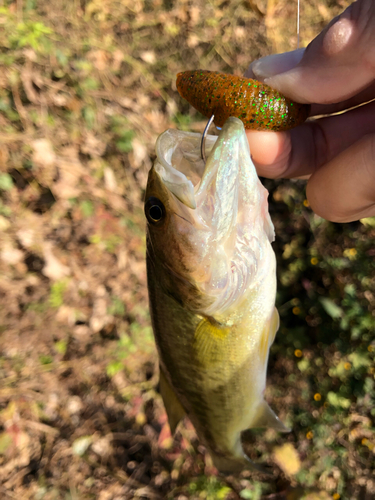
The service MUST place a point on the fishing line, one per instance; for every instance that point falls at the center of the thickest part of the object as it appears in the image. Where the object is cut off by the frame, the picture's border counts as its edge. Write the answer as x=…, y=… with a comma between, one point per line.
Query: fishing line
x=298, y=15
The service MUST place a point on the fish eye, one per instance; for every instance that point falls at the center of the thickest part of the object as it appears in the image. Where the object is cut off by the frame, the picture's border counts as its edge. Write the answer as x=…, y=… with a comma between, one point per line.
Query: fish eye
x=154, y=210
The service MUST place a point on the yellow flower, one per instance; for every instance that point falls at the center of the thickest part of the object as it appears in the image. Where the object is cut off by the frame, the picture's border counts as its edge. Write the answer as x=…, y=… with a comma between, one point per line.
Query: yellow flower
x=306, y=203
x=317, y=396
x=336, y=496
x=347, y=366
x=296, y=310
x=367, y=442
x=310, y=435
x=298, y=353
x=351, y=253
x=314, y=261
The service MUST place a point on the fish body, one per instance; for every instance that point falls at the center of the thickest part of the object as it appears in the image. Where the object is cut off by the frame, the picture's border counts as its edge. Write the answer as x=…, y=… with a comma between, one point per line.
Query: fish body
x=212, y=284
x=256, y=104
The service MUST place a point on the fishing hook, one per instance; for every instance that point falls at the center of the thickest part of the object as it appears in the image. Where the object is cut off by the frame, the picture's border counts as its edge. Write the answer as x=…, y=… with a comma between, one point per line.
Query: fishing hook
x=203, y=142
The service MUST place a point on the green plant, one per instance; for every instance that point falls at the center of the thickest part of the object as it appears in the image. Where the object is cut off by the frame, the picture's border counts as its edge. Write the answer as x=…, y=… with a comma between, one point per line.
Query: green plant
x=56, y=298
x=123, y=133
x=6, y=182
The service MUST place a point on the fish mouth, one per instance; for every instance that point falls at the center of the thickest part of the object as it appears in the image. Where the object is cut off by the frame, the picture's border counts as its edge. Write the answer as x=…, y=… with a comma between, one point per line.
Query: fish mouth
x=180, y=163
x=220, y=194
x=182, y=168
x=225, y=205
x=215, y=189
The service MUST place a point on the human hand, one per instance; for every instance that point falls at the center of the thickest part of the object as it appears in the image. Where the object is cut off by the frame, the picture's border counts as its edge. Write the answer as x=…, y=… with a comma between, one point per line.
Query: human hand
x=336, y=72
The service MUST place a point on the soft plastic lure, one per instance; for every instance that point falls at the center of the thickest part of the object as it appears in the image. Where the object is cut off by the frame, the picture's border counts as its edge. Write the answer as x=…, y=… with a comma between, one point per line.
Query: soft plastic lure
x=256, y=104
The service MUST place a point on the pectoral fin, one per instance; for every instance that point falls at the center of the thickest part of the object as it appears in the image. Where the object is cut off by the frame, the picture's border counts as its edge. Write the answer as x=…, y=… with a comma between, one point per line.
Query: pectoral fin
x=172, y=405
x=209, y=342
x=265, y=417
x=274, y=325
x=268, y=335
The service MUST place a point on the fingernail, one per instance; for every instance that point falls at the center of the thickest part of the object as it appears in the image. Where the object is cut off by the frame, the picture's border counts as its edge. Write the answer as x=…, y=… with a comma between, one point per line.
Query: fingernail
x=275, y=64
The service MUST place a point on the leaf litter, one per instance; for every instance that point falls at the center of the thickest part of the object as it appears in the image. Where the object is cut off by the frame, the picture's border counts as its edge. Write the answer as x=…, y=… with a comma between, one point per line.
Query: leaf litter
x=85, y=89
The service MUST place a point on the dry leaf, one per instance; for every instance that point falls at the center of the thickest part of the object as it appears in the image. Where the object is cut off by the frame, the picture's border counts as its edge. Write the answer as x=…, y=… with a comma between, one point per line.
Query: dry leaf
x=4, y=223
x=148, y=56
x=4, y=157
x=287, y=458
x=70, y=171
x=44, y=160
x=140, y=154
x=44, y=154
x=11, y=255
x=110, y=180
x=103, y=446
x=93, y=146
x=99, y=58
x=53, y=269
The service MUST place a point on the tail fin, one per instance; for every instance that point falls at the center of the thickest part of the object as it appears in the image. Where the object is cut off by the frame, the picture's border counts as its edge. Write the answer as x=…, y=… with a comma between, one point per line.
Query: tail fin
x=235, y=460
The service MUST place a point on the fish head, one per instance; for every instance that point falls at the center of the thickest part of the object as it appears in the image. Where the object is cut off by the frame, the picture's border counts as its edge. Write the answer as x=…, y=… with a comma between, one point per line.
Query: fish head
x=208, y=224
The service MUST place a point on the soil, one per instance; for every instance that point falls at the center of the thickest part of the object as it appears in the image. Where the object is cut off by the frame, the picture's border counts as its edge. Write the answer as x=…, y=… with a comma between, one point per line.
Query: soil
x=85, y=89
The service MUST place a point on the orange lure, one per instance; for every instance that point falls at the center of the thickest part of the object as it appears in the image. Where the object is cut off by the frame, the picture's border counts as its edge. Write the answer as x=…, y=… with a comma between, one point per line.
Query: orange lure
x=256, y=104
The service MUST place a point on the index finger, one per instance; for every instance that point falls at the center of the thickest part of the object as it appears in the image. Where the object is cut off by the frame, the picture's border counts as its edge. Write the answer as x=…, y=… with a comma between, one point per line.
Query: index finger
x=338, y=64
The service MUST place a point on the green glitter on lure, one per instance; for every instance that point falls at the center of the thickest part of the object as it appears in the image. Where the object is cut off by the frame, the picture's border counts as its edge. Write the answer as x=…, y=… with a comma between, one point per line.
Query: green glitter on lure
x=276, y=111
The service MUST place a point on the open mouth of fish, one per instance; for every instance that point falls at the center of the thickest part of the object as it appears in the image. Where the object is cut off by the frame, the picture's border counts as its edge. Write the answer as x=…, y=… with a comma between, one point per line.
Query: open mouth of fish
x=225, y=203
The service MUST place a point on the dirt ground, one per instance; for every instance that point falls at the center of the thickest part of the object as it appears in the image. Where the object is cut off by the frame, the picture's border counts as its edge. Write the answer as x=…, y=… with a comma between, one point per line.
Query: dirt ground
x=85, y=89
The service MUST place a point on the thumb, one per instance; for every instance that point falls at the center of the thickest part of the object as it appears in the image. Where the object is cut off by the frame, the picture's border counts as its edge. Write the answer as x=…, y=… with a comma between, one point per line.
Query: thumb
x=336, y=65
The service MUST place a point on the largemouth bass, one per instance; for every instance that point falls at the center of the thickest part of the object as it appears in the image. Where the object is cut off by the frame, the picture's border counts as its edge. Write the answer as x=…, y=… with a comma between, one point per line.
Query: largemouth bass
x=212, y=285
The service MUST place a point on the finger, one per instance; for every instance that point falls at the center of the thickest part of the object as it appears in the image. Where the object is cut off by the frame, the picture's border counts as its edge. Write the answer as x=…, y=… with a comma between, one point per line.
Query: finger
x=362, y=97
x=336, y=65
x=285, y=154
x=283, y=62
x=343, y=190
x=275, y=63
x=270, y=151
x=304, y=149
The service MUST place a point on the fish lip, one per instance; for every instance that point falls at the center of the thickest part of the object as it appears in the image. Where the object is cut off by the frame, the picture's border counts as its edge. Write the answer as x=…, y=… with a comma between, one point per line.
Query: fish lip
x=232, y=130
x=180, y=150
x=228, y=181
x=176, y=181
x=176, y=146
